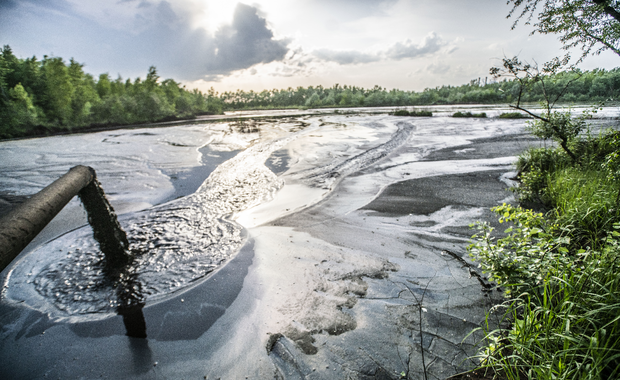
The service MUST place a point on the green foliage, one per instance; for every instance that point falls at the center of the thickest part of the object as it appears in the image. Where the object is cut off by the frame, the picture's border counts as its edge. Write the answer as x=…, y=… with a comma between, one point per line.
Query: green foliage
x=575, y=86
x=523, y=258
x=401, y=113
x=584, y=201
x=413, y=113
x=539, y=167
x=469, y=114
x=559, y=270
x=534, y=165
x=513, y=115
x=563, y=310
x=38, y=96
x=313, y=101
x=58, y=91
x=592, y=25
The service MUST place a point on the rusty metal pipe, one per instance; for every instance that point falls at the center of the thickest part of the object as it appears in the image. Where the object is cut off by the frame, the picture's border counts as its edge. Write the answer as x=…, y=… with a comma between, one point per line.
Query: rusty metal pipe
x=22, y=224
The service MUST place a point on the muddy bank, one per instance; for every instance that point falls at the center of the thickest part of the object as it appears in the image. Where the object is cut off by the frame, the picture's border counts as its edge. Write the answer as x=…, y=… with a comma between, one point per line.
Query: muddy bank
x=336, y=280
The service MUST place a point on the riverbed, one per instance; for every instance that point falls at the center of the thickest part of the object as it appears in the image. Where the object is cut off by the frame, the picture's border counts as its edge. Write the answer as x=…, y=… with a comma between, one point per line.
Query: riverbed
x=316, y=246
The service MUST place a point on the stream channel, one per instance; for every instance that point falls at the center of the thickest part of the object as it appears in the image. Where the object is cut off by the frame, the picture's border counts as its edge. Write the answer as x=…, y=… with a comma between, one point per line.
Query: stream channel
x=322, y=246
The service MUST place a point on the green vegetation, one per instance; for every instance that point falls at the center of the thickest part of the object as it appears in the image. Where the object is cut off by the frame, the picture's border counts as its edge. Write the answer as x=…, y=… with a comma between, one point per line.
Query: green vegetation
x=469, y=114
x=598, y=85
x=563, y=307
x=558, y=269
x=40, y=97
x=591, y=25
x=412, y=113
x=513, y=115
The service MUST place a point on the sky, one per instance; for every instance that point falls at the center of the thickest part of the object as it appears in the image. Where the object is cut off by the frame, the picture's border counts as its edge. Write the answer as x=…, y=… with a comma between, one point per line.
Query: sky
x=266, y=44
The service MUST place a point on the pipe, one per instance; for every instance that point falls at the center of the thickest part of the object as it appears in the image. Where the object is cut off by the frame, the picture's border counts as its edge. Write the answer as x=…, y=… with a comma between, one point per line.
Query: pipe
x=22, y=224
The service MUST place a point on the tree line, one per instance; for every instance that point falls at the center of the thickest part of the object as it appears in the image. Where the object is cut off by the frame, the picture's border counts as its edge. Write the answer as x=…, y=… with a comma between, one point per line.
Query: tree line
x=49, y=95
x=598, y=85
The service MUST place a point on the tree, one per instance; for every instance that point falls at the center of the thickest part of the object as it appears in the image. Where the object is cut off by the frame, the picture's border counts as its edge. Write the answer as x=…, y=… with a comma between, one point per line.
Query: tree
x=592, y=25
x=550, y=124
x=58, y=90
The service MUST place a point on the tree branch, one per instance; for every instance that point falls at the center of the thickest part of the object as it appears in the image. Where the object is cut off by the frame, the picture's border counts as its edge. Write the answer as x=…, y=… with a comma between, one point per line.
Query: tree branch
x=608, y=9
x=517, y=107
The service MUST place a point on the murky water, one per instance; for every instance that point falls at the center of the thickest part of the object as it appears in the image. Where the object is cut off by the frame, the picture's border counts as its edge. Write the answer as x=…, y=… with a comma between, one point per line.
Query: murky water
x=292, y=162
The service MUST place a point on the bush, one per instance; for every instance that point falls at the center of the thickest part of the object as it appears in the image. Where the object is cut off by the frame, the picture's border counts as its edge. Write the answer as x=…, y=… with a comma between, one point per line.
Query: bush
x=420, y=113
x=469, y=114
x=412, y=113
x=513, y=115
x=559, y=271
x=563, y=310
x=534, y=166
x=401, y=113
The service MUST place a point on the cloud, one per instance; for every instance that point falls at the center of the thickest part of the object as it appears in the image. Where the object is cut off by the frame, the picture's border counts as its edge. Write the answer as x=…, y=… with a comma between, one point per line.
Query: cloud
x=152, y=32
x=438, y=68
x=354, y=9
x=247, y=42
x=191, y=54
x=431, y=44
x=349, y=57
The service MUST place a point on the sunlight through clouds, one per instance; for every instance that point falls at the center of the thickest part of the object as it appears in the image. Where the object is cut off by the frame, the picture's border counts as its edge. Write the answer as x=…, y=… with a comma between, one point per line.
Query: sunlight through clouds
x=269, y=43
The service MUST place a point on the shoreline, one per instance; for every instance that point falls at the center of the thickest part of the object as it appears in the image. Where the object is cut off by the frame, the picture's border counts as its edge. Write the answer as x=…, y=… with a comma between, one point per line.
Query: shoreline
x=278, y=113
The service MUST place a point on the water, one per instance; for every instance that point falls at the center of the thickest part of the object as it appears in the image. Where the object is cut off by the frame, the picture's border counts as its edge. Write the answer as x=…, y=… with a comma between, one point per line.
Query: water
x=179, y=230
x=174, y=244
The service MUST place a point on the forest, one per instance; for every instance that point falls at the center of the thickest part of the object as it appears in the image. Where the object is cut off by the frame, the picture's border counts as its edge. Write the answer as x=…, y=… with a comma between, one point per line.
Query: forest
x=40, y=97
x=47, y=96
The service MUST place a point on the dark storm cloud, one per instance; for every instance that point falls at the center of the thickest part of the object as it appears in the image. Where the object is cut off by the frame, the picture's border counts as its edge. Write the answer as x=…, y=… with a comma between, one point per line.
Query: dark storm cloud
x=245, y=43
x=162, y=36
x=431, y=44
x=191, y=54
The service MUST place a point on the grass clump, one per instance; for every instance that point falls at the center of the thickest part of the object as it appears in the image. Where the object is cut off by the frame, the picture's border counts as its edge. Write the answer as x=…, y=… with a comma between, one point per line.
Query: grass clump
x=469, y=114
x=558, y=267
x=513, y=115
x=412, y=113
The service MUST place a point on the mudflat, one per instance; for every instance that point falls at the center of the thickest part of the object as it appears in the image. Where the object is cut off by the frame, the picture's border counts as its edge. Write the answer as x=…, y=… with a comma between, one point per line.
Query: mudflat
x=371, y=281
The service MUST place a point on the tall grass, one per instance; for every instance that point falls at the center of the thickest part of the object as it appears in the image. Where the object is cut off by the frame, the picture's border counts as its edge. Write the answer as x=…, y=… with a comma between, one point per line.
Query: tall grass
x=584, y=203
x=560, y=271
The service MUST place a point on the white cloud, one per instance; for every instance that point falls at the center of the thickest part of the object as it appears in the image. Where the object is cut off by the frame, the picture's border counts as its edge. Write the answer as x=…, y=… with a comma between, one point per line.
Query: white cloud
x=431, y=44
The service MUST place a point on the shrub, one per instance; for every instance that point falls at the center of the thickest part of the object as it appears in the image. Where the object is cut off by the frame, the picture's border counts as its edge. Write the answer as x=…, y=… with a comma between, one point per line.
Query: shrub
x=469, y=114
x=420, y=113
x=534, y=166
x=401, y=113
x=513, y=115
x=559, y=271
x=563, y=310
x=412, y=113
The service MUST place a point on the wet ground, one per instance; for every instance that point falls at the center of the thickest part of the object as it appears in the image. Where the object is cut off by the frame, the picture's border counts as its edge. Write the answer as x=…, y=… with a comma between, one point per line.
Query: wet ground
x=345, y=255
